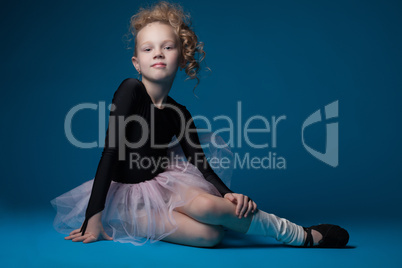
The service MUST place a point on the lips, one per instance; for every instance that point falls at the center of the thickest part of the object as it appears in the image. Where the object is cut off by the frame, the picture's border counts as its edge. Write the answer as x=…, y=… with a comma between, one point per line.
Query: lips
x=158, y=64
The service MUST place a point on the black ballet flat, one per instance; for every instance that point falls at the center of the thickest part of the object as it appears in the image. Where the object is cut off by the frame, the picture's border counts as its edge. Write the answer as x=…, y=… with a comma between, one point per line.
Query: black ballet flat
x=333, y=236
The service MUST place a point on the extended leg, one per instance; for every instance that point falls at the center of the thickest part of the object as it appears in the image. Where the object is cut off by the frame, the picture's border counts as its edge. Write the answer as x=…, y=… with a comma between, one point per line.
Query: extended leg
x=215, y=210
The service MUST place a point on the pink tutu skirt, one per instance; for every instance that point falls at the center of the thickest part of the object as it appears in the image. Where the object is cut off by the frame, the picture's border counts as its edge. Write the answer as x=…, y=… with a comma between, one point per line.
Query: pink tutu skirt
x=141, y=212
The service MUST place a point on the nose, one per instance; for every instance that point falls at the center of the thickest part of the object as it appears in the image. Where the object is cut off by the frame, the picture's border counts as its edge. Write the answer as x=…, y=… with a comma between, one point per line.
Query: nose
x=158, y=54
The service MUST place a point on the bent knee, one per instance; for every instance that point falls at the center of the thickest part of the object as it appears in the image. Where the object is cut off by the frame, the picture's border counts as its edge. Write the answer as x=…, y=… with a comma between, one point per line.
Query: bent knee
x=205, y=206
x=211, y=235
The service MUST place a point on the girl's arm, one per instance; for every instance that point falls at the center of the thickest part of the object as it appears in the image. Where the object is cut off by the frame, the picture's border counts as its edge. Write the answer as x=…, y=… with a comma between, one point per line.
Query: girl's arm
x=123, y=104
x=195, y=155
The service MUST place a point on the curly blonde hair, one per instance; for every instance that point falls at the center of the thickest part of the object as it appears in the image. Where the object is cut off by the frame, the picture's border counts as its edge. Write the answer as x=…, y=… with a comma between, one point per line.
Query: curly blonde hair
x=172, y=14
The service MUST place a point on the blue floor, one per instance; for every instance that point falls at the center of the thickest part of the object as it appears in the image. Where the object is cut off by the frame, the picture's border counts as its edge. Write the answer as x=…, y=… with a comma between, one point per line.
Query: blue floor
x=29, y=240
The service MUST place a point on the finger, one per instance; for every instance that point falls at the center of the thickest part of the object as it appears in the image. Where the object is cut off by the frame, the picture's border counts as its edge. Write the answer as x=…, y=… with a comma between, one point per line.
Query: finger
x=72, y=236
x=106, y=236
x=245, y=206
x=254, y=207
x=231, y=197
x=250, y=208
x=81, y=238
x=75, y=231
x=239, y=205
x=90, y=239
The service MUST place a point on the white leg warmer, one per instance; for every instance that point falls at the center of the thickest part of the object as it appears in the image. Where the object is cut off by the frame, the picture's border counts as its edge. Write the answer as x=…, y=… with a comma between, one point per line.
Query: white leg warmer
x=281, y=229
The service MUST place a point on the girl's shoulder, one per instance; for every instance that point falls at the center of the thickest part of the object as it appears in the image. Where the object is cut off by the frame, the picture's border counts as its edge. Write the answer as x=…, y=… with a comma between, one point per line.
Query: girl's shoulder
x=130, y=89
x=129, y=85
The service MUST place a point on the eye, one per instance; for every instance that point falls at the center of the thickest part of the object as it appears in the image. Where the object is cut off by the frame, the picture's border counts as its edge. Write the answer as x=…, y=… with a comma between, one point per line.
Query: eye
x=147, y=49
x=168, y=47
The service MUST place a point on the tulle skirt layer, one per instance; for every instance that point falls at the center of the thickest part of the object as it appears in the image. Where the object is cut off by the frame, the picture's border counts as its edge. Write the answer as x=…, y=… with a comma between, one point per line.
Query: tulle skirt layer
x=137, y=213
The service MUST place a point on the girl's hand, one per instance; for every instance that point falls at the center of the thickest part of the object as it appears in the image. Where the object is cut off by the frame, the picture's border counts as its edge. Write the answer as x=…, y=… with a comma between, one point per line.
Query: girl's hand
x=94, y=231
x=244, y=204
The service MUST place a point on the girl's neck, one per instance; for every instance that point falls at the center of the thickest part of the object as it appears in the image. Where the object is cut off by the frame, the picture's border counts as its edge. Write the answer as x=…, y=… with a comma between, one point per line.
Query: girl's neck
x=157, y=91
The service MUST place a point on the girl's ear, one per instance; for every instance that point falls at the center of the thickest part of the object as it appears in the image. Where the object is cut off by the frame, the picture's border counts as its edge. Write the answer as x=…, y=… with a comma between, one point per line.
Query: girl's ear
x=135, y=63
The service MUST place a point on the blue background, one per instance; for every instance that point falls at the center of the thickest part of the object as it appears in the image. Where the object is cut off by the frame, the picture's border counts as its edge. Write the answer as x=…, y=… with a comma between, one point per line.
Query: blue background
x=278, y=58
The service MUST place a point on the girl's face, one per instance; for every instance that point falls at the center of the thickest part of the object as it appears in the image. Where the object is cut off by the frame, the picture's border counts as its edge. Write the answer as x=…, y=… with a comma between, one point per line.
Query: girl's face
x=158, y=53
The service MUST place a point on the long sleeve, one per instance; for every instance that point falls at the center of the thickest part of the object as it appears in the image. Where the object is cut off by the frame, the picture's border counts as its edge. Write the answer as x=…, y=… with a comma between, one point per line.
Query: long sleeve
x=195, y=154
x=123, y=104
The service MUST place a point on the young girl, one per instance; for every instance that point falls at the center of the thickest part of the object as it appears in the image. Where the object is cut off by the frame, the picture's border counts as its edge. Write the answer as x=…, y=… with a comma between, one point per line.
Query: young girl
x=136, y=196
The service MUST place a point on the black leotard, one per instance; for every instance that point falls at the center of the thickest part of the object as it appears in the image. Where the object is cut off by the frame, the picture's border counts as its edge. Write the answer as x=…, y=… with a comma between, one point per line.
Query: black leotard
x=132, y=99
